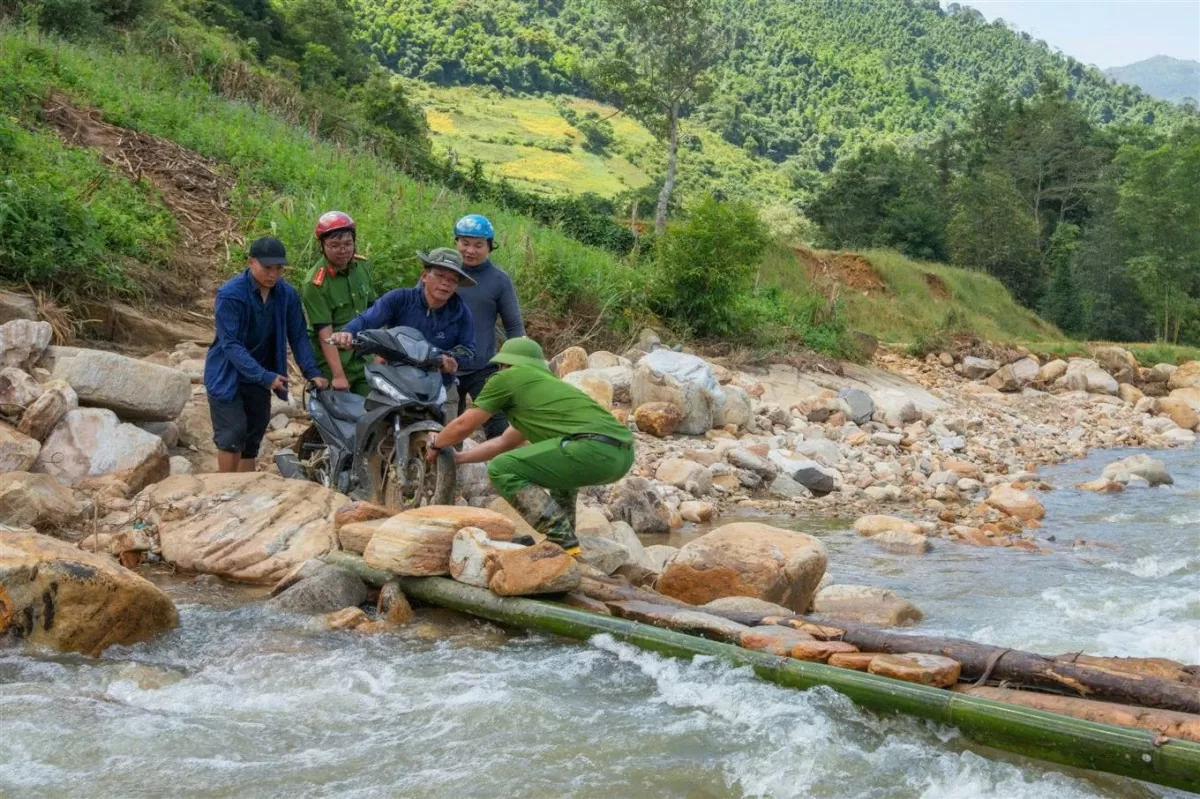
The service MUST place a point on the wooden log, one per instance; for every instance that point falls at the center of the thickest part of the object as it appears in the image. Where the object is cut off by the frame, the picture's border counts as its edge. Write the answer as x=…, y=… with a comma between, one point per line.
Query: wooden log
x=1148, y=667
x=1136, y=753
x=1185, y=726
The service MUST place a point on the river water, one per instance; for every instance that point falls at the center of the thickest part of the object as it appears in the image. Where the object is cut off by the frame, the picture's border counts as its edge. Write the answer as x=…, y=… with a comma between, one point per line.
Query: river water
x=240, y=701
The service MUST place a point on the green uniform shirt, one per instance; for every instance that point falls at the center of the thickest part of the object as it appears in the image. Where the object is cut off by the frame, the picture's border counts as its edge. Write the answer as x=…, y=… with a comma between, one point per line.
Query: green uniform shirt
x=541, y=406
x=335, y=299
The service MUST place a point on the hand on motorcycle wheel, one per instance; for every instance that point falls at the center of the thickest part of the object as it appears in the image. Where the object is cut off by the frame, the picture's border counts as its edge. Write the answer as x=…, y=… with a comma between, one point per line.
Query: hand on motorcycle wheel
x=431, y=452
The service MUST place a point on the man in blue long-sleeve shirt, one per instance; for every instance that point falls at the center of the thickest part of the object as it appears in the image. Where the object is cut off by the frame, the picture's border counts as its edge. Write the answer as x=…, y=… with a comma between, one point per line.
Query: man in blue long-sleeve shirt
x=433, y=308
x=492, y=297
x=257, y=316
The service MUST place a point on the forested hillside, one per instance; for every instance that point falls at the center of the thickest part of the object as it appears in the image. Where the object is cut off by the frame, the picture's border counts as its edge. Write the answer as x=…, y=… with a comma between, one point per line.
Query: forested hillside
x=1174, y=79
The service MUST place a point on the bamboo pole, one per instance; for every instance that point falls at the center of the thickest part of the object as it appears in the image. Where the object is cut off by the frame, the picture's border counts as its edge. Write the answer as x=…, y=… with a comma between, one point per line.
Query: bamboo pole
x=1046, y=736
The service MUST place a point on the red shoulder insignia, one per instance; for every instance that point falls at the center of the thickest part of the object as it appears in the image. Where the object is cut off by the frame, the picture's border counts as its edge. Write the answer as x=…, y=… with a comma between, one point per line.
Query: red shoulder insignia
x=319, y=277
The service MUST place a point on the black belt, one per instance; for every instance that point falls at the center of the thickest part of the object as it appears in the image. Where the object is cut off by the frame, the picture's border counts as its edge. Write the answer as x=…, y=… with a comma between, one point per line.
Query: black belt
x=614, y=442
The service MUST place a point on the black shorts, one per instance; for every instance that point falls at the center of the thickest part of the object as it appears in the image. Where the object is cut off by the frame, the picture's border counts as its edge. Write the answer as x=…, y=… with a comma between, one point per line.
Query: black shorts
x=239, y=425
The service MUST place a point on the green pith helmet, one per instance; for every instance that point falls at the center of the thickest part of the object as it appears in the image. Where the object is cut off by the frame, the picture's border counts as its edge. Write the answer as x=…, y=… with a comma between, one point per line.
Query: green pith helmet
x=521, y=352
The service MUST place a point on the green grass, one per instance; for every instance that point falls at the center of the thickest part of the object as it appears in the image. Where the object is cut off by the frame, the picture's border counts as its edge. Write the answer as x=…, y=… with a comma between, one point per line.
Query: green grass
x=1147, y=354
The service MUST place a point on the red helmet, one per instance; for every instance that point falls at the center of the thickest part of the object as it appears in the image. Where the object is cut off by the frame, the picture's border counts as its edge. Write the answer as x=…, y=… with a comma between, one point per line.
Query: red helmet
x=332, y=221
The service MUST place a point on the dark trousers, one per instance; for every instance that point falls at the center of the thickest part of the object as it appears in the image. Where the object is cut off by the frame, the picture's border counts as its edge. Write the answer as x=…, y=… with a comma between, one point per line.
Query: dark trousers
x=470, y=385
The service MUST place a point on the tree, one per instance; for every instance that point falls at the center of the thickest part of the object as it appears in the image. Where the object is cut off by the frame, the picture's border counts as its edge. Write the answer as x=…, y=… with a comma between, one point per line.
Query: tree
x=1159, y=210
x=991, y=230
x=663, y=65
x=1063, y=303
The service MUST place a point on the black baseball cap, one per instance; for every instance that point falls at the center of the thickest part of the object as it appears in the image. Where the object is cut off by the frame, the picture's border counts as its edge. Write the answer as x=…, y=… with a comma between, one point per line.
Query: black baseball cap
x=268, y=251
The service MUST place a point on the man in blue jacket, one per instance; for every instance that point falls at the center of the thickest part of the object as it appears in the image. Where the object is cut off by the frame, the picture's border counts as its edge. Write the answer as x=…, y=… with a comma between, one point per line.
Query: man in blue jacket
x=433, y=308
x=257, y=316
x=493, y=297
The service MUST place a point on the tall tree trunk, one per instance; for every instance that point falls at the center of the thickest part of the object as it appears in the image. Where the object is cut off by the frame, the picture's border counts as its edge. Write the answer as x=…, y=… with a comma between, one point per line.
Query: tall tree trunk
x=664, y=196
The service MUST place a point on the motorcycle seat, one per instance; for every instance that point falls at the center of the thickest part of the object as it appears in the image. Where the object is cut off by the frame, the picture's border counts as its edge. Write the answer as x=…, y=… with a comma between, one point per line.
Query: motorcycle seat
x=345, y=405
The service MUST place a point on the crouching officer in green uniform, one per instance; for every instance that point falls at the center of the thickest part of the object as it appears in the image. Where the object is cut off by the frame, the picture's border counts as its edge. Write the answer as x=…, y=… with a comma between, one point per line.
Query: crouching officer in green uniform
x=334, y=292
x=572, y=441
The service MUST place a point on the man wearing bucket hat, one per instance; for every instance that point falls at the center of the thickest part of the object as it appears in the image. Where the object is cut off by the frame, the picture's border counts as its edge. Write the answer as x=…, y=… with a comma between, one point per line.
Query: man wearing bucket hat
x=572, y=441
x=432, y=307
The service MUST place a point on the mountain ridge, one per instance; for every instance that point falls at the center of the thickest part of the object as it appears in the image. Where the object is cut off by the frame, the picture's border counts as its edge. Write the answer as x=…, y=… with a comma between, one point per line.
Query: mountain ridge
x=1162, y=76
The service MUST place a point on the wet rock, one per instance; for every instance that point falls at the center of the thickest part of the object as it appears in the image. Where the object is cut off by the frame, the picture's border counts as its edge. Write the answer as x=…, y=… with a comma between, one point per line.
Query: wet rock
x=858, y=661
x=417, y=543
x=901, y=542
x=468, y=553
x=880, y=607
x=346, y=619
x=639, y=503
x=876, y=524
x=594, y=384
x=659, y=419
x=251, y=527
x=1187, y=375
x=682, y=380
x=934, y=670
x=747, y=559
x=1020, y=504
x=602, y=554
x=746, y=604
x=736, y=410
x=37, y=500
x=1152, y=470
x=861, y=406
x=543, y=568
x=1101, y=486
x=786, y=642
x=393, y=606
x=54, y=594
x=89, y=442
x=978, y=368
x=814, y=477
x=18, y=452
x=137, y=390
x=1179, y=411
x=47, y=410
x=325, y=591
x=572, y=359
x=22, y=343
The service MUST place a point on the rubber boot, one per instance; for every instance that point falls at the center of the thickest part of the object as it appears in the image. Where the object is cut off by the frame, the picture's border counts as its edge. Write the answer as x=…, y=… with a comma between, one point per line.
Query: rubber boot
x=537, y=507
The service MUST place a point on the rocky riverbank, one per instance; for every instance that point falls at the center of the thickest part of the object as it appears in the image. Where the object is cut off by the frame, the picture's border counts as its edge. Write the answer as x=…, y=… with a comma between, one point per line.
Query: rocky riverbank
x=114, y=453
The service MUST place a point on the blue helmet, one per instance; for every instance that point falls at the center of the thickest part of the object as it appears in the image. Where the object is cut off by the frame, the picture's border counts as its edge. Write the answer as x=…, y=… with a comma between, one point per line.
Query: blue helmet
x=474, y=225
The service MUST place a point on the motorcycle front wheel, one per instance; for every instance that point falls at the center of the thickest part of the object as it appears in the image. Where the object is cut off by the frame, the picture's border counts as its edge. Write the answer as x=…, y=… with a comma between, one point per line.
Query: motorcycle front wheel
x=423, y=485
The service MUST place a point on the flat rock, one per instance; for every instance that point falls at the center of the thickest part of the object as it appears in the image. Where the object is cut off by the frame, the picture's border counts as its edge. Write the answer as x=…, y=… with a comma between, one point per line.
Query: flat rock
x=1020, y=504
x=544, y=568
x=747, y=559
x=880, y=607
x=934, y=670
x=876, y=524
x=251, y=527
x=747, y=604
x=786, y=642
x=901, y=542
x=57, y=595
x=417, y=543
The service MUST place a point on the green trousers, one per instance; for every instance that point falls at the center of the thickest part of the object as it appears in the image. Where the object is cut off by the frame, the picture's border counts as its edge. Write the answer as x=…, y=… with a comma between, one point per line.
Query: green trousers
x=560, y=468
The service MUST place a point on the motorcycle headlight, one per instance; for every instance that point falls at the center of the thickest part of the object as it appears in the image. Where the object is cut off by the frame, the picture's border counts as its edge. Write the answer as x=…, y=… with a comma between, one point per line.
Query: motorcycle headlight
x=387, y=388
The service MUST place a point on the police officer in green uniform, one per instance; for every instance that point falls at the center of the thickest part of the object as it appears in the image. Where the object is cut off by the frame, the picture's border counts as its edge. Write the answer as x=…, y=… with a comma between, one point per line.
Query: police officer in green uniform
x=334, y=292
x=572, y=441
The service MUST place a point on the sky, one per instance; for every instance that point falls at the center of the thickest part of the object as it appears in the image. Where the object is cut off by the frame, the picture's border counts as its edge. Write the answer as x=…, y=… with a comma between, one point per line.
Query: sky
x=1107, y=33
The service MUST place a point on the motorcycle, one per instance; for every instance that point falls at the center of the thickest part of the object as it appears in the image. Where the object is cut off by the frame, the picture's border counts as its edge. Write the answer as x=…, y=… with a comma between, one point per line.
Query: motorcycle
x=374, y=447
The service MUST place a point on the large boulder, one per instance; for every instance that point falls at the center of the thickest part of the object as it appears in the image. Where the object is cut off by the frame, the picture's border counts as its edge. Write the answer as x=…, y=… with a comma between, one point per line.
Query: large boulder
x=543, y=568
x=1014, y=502
x=747, y=559
x=685, y=381
x=137, y=390
x=1015, y=376
x=736, y=410
x=22, y=343
x=1118, y=362
x=36, y=500
x=862, y=407
x=978, y=368
x=54, y=594
x=901, y=542
x=1180, y=412
x=810, y=474
x=251, y=527
x=572, y=359
x=639, y=503
x=18, y=452
x=865, y=604
x=1086, y=375
x=417, y=543
x=469, y=552
x=1052, y=371
x=325, y=590
x=1161, y=373
x=1152, y=470
x=48, y=409
x=18, y=391
x=89, y=442
x=593, y=383
x=1186, y=376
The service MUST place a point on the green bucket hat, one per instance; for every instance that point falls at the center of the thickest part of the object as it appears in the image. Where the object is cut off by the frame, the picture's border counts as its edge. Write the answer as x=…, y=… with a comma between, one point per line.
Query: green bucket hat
x=447, y=258
x=521, y=352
